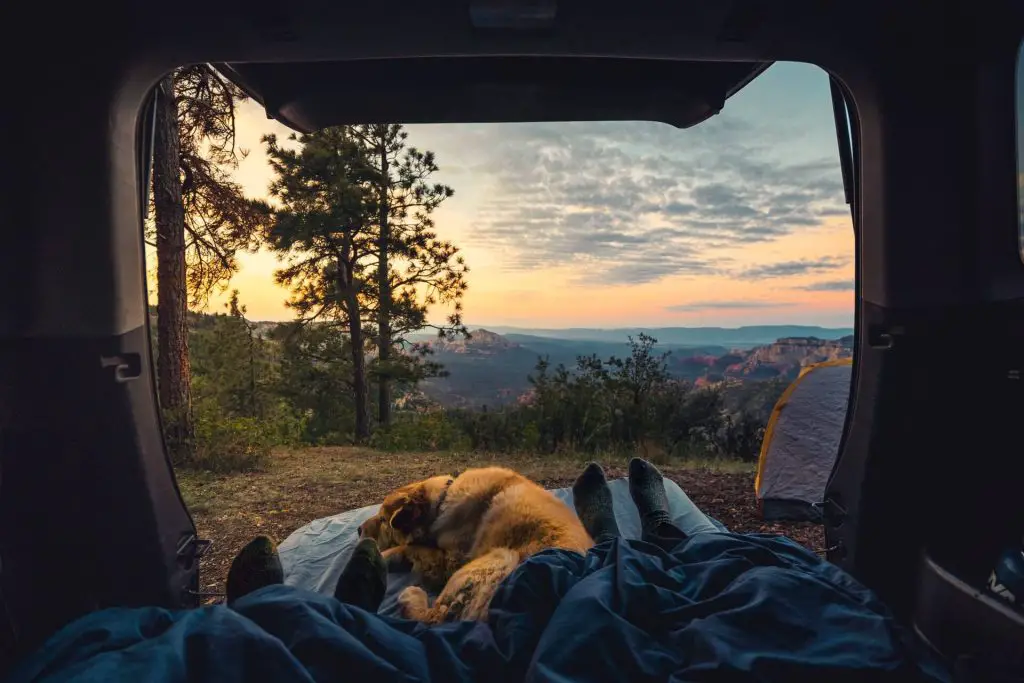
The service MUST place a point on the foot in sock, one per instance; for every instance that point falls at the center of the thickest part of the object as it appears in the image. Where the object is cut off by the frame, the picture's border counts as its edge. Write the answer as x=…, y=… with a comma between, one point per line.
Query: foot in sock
x=593, y=501
x=364, y=580
x=647, y=488
x=256, y=566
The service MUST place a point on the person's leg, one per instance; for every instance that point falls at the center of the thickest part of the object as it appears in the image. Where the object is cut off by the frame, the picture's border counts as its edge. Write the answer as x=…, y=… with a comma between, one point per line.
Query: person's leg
x=256, y=566
x=364, y=580
x=593, y=502
x=647, y=488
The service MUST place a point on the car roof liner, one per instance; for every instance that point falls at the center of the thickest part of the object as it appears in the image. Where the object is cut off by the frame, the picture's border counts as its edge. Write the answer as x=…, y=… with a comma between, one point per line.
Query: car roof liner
x=312, y=95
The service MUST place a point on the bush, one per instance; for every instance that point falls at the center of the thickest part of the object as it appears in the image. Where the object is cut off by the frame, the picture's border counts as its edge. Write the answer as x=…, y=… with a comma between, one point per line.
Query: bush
x=420, y=432
x=512, y=430
x=740, y=437
x=284, y=426
x=226, y=444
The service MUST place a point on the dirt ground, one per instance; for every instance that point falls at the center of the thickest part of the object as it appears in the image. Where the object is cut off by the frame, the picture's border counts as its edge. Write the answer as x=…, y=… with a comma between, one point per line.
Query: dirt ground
x=303, y=485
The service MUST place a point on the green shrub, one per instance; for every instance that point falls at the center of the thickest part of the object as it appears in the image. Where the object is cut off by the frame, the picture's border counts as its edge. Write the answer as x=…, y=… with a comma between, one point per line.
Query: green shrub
x=285, y=426
x=420, y=432
x=237, y=444
x=225, y=444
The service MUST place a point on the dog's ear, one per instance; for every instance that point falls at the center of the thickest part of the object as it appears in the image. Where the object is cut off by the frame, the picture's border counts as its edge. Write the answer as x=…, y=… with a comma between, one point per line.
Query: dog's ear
x=411, y=513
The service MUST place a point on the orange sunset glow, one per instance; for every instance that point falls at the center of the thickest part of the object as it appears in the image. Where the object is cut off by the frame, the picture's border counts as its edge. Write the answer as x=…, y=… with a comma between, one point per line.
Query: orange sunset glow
x=762, y=234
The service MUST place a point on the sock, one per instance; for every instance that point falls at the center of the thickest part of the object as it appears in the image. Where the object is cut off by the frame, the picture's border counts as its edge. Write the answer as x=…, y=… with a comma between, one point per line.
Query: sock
x=647, y=488
x=593, y=502
x=256, y=566
x=364, y=580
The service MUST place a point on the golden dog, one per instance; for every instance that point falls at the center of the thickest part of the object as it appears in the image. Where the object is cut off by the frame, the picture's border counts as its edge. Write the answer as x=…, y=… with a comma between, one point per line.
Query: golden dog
x=467, y=533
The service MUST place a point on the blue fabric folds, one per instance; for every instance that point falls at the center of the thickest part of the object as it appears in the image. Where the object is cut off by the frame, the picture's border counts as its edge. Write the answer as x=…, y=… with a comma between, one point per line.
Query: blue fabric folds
x=715, y=607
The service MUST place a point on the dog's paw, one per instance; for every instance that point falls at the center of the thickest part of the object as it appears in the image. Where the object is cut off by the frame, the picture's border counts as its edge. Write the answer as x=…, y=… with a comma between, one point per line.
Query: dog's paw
x=413, y=603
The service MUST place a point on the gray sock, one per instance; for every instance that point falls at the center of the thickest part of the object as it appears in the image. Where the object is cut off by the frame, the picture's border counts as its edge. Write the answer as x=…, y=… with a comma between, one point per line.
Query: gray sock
x=593, y=502
x=364, y=580
x=256, y=566
x=647, y=488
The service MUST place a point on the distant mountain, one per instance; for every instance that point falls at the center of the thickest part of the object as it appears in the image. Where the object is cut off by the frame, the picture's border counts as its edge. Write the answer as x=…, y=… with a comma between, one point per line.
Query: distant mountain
x=783, y=358
x=486, y=369
x=738, y=337
x=492, y=369
x=566, y=350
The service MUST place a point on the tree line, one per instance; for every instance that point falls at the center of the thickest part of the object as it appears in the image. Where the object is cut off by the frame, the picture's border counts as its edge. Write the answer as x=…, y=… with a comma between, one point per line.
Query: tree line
x=256, y=389
x=351, y=218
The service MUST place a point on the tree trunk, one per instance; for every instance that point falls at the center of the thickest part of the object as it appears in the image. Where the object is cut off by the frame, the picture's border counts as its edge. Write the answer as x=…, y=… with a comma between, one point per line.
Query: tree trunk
x=173, y=376
x=253, y=406
x=384, y=285
x=355, y=333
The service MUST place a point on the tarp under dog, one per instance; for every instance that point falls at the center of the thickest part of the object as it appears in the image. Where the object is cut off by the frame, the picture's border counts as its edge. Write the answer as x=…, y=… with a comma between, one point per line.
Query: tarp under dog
x=801, y=442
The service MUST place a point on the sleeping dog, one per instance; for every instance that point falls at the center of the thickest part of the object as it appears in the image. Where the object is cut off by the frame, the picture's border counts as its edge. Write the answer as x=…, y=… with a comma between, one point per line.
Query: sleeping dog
x=465, y=533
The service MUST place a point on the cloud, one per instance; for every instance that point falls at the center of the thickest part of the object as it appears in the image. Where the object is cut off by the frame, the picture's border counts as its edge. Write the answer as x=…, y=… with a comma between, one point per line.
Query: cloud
x=633, y=202
x=791, y=268
x=732, y=305
x=829, y=286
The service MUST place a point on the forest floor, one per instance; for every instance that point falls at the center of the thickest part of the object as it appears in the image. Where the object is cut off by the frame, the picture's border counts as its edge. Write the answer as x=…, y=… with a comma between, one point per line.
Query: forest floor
x=301, y=485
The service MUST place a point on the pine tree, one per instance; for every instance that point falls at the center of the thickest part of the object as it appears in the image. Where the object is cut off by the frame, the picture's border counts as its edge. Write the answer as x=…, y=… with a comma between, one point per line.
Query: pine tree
x=201, y=220
x=322, y=232
x=315, y=361
x=415, y=270
x=232, y=363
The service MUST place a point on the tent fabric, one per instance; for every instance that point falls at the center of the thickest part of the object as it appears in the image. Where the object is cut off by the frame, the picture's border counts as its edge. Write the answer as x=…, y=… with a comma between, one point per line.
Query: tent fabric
x=801, y=441
x=314, y=555
x=715, y=607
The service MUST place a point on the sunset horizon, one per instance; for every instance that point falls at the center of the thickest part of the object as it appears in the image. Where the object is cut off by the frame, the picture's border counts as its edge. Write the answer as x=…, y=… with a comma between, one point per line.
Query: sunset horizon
x=738, y=221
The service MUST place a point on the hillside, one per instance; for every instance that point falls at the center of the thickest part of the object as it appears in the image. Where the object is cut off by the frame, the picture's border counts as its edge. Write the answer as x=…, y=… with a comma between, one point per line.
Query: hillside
x=487, y=369
x=739, y=337
x=490, y=369
x=783, y=358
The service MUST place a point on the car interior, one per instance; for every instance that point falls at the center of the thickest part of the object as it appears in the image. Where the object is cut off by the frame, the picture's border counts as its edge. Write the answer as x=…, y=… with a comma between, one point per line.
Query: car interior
x=923, y=495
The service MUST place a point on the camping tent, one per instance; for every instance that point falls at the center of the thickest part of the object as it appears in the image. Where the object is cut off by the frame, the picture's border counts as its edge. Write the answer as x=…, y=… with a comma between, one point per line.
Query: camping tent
x=801, y=442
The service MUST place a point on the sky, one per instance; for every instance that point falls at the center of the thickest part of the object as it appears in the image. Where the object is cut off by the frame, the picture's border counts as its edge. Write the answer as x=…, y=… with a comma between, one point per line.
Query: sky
x=737, y=221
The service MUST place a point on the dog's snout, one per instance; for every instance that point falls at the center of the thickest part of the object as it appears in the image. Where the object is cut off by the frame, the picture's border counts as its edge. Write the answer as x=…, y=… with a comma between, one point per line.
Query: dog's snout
x=366, y=528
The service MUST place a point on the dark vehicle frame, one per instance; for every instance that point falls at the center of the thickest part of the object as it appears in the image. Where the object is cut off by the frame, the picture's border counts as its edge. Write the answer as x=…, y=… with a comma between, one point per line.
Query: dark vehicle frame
x=924, y=493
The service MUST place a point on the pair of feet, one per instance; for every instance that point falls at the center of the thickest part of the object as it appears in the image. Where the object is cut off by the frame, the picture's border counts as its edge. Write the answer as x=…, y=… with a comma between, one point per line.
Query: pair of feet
x=592, y=499
x=363, y=581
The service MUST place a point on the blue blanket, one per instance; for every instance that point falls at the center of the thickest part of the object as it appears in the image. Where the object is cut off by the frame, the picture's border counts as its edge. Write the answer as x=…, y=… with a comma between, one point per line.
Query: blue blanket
x=716, y=607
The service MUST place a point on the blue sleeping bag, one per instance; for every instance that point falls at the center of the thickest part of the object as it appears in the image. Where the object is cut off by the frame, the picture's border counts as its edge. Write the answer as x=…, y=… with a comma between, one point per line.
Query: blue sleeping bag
x=715, y=607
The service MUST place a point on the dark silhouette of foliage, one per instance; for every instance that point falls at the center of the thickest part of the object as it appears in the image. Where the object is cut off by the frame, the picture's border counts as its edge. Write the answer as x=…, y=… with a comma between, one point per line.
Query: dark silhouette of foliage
x=322, y=230
x=354, y=225
x=415, y=270
x=201, y=220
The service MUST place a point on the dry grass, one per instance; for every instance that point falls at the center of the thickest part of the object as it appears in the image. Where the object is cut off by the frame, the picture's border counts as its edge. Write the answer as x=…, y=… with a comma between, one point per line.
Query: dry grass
x=305, y=484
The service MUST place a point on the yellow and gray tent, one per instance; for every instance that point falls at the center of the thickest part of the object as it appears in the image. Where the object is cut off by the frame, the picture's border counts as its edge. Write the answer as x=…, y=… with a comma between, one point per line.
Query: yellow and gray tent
x=801, y=442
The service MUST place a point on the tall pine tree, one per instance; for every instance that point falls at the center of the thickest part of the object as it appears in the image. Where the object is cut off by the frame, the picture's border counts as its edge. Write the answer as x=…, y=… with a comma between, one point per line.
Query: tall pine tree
x=322, y=231
x=415, y=269
x=201, y=220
